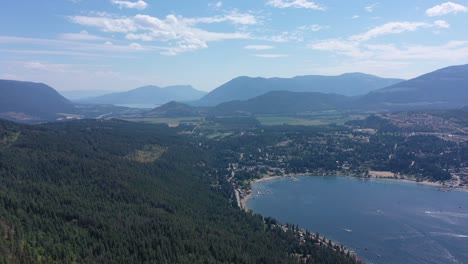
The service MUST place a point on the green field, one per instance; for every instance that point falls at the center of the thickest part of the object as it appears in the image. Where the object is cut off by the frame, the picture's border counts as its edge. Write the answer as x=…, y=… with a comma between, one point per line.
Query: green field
x=306, y=119
x=312, y=119
x=170, y=121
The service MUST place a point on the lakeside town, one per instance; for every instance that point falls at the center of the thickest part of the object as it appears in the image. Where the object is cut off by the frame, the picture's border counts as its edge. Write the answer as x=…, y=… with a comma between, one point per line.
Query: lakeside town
x=418, y=147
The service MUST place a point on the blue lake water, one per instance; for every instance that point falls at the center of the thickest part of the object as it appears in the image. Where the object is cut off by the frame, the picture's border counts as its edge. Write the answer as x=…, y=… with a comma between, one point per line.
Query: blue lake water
x=384, y=221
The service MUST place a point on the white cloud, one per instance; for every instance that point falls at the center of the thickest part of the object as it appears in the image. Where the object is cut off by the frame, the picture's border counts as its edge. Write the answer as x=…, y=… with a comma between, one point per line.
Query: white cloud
x=355, y=46
x=452, y=50
x=140, y=4
x=218, y=4
x=286, y=36
x=456, y=51
x=342, y=47
x=445, y=9
x=35, y=66
x=47, y=67
x=67, y=53
x=82, y=36
x=181, y=34
x=271, y=56
x=107, y=24
x=313, y=28
x=390, y=28
x=258, y=47
x=370, y=8
x=295, y=4
x=441, y=24
x=62, y=47
x=296, y=35
x=233, y=17
x=355, y=17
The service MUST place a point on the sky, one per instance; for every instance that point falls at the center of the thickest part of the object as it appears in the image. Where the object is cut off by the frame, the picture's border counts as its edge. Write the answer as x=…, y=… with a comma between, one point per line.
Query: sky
x=118, y=45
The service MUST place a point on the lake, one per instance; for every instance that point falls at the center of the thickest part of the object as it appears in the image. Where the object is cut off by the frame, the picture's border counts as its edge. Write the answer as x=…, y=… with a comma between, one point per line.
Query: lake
x=384, y=221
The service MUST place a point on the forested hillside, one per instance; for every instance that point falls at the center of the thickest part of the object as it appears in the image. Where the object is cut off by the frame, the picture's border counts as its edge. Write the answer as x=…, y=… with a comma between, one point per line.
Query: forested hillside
x=96, y=191
x=32, y=102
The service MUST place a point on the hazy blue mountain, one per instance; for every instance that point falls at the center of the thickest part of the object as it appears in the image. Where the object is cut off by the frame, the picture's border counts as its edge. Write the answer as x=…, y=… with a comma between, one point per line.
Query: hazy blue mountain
x=29, y=102
x=175, y=109
x=444, y=88
x=82, y=94
x=149, y=95
x=283, y=102
x=244, y=88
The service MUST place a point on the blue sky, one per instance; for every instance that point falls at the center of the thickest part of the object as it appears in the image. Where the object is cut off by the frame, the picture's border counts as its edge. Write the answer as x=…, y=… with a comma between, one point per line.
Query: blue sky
x=119, y=45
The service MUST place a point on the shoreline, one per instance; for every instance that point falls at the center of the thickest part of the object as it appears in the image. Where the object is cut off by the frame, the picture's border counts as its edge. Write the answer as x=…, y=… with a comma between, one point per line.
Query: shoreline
x=245, y=198
x=247, y=194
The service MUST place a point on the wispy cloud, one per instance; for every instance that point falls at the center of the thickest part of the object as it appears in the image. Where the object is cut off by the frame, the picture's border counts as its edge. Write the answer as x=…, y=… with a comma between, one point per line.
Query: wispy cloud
x=233, y=17
x=445, y=9
x=370, y=8
x=60, y=45
x=271, y=56
x=50, y=67
x=140, y=4
x=390, y=28
x=314, y=28
x=90, y=54
x=441, y=24
x=355, y=45
x=296, y=35
x=106, y=24
x=341, y=47
x=258, y=47
x=295, y=4
x=452, y=50
x=82, y=36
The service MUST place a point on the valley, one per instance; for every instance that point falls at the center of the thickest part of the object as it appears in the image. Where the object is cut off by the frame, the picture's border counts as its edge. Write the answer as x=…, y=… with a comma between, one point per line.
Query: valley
x=187, y=170
x=233, y=132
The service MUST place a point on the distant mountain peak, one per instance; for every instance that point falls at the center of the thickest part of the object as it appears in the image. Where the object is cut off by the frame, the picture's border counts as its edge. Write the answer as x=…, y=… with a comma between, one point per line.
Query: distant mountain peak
x=244, y=87
x=150, y=94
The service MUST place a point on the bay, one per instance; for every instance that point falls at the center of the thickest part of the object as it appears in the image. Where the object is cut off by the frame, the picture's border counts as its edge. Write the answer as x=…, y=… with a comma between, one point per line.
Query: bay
x=384, y=221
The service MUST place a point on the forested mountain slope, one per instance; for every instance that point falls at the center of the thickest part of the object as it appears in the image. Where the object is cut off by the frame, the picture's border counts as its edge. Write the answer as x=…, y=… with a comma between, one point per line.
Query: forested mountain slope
x=96, y=191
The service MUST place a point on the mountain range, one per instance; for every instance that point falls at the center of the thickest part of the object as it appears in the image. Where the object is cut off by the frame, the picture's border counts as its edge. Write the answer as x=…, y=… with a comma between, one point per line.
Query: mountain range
x=148, y=95
x=441, y=89
x=245, y=88
x=283, y=102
